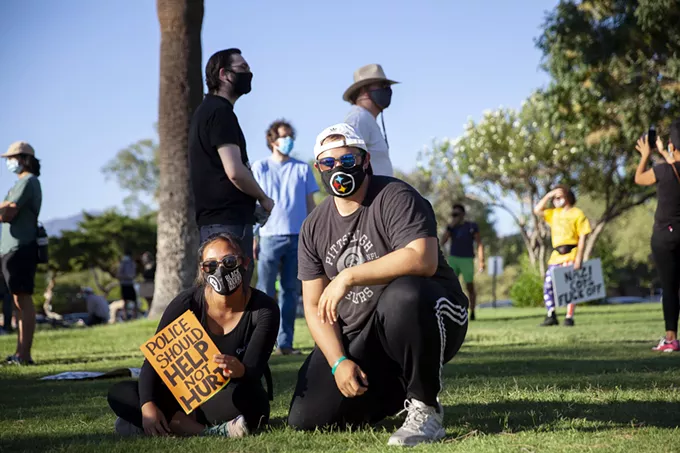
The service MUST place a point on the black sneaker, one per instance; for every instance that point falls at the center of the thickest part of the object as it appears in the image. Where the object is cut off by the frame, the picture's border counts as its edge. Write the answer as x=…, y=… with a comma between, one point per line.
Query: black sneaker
x=569, y=322
x=472, y=316
x=550, y=320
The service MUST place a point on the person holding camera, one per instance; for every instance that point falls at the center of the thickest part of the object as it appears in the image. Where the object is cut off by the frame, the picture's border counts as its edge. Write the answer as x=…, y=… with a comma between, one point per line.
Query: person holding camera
x=666, y=230
x=18, y=243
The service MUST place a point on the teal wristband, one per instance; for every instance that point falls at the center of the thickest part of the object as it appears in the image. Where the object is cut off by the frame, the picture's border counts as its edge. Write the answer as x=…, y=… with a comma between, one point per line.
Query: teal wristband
x=337, y=362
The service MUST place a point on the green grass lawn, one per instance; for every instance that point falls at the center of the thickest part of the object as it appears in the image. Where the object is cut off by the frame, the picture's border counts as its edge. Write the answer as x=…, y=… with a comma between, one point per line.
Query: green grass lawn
x=513, y=387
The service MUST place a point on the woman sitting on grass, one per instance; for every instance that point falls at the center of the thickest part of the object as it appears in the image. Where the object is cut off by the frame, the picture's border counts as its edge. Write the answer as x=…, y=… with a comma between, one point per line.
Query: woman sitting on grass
x=242, y=322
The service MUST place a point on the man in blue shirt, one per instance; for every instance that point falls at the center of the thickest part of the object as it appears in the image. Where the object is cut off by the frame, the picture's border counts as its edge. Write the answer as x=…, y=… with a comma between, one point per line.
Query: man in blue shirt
x=463, y=237
x=291, y=184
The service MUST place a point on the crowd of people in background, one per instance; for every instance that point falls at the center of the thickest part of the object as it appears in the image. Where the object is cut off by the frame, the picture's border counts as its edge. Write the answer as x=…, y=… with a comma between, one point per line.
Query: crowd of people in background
x=383, y=304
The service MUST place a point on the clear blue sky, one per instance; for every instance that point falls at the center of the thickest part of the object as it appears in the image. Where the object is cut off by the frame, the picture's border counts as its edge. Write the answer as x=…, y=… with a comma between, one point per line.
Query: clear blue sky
x=79, y=78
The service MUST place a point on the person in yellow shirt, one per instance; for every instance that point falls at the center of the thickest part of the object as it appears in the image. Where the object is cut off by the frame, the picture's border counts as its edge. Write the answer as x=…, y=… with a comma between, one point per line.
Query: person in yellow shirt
x=569, y=227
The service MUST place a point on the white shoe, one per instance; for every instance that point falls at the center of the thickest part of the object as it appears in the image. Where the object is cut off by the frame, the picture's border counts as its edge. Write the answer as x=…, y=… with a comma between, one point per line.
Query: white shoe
x=233, y=428
x=423, y=424
x=127, y=429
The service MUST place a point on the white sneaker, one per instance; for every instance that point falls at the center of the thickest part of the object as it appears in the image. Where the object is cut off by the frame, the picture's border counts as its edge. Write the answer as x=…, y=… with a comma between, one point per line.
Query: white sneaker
x=233, y=428
x=423, y=424
x=127, y=429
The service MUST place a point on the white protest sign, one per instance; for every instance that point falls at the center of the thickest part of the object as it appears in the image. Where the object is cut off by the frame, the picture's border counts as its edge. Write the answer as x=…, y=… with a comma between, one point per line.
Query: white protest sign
x=583, y=285
x=495, y=265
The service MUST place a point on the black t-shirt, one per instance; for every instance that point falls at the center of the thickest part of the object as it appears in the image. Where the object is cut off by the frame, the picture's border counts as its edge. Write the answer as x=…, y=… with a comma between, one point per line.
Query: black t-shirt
x=251, y=341
x=668, y=196
x=218, y=200
x=392, y=215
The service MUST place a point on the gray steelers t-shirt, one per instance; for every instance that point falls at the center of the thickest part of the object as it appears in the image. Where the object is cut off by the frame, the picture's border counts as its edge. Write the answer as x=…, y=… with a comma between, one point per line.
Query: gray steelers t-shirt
x=392, y=215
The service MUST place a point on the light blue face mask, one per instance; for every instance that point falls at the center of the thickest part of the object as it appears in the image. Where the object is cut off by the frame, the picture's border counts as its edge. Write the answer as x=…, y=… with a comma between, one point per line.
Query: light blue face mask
x=285, y=145
x=13, y=165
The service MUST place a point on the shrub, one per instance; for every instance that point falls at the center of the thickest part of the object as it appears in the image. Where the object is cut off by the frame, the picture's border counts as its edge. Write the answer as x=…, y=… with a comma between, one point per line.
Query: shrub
x=527, y=291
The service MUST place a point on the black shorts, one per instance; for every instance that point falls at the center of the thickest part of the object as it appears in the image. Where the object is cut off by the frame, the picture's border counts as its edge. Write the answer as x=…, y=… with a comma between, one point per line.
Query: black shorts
x=18, y=268
x=127, y=292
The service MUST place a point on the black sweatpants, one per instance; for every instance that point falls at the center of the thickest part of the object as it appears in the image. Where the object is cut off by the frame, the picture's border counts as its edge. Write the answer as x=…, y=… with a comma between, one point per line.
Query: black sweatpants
x=247, y=398
x=666, y=252
x=413, y=331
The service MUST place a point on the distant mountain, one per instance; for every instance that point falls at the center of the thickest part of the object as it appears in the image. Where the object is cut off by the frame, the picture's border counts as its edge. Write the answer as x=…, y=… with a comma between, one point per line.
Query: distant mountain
x=54, y=227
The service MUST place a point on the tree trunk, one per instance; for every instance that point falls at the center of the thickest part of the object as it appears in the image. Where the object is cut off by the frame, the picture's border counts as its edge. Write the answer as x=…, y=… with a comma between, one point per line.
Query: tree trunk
x=592, y=239
x=181, y=91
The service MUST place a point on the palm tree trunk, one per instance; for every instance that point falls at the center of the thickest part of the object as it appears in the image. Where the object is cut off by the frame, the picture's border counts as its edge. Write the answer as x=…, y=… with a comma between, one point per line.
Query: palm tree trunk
x=181, y=91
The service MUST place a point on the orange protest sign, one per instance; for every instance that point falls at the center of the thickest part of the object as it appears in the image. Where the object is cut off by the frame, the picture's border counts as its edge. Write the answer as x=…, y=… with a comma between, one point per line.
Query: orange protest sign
x=182, y=355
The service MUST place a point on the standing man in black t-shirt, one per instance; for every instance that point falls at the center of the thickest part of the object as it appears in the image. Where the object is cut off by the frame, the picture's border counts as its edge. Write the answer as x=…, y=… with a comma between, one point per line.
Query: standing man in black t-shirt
x=225, y=190
x=385, y=310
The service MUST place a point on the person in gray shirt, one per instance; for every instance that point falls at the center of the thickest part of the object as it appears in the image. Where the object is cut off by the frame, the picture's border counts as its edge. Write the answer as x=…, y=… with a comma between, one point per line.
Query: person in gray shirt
x=18, y=242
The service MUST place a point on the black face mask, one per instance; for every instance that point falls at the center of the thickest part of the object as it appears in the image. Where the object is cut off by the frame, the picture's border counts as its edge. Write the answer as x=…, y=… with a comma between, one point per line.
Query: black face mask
x=382, y=97
x=242, y=82
x=343, y=182
x=225, y=282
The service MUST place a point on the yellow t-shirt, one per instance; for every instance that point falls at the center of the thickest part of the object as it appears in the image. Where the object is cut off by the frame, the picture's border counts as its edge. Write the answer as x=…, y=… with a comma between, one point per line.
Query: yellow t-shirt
x=566, y=227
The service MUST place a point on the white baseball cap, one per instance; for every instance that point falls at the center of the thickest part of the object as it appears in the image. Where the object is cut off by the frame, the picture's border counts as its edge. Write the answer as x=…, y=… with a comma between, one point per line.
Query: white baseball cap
x=351, y=138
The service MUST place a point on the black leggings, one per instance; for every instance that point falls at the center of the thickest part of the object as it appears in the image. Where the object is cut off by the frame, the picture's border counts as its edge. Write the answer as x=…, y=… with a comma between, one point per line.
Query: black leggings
x=666, y=252
x=413, y=331
x=245, y=398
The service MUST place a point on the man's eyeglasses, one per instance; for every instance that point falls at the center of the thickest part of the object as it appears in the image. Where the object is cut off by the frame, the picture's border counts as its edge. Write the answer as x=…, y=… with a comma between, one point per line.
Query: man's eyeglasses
x=347, y=161
x=230, y=262
x=456, y=214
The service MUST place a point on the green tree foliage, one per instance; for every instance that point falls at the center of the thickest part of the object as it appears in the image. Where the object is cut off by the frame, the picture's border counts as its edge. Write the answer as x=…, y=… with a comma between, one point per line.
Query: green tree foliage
x=510, y=158
x=100, y=242
x=616, y=70
x=135, y=169
x=443, y=189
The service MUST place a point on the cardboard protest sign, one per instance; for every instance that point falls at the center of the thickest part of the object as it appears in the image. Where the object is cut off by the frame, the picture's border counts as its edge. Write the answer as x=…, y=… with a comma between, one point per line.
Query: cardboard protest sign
x=182, y=355
x=573, y=287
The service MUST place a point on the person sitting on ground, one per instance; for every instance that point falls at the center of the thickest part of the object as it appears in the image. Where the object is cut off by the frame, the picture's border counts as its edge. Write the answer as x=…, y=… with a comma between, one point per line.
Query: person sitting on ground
x=666, y=231
x=384, y=308
x=97, y=307
x=569, y=228
x=242, y=322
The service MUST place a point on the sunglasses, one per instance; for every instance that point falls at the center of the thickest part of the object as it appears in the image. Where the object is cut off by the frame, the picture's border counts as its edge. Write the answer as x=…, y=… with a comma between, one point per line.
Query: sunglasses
x=456, y=214
x=230, y=262
x=328, y=163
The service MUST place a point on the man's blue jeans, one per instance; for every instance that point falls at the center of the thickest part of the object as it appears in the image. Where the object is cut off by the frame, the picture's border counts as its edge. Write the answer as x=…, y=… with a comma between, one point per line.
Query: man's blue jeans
x=280, y=253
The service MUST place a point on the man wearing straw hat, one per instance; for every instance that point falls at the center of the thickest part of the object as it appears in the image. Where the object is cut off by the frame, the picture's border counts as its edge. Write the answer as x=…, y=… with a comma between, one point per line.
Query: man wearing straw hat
x=370, y=95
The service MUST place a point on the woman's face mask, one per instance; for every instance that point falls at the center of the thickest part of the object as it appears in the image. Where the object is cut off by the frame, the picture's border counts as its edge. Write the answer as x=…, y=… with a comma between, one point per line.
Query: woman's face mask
x=13, y=165
x=224, y=276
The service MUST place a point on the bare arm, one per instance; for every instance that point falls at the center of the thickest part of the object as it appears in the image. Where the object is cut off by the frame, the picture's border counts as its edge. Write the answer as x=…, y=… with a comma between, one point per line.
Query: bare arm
x=419, y=257
x=310, y=203
x=325, y=335
x=644, y=177
x=445, y=237
x=580, y=251
x=480, y=251
x=540, y=207
x=238, y=173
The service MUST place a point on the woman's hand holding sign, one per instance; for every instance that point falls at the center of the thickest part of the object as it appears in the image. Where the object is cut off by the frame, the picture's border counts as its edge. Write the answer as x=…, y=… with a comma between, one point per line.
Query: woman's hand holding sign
x=154, y=421
x=231, y=366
